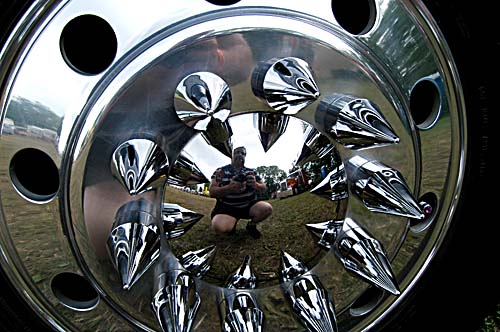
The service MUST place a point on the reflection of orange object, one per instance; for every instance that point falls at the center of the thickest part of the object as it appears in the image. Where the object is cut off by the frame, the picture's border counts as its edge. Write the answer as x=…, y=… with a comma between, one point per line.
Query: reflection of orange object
x=292, y=182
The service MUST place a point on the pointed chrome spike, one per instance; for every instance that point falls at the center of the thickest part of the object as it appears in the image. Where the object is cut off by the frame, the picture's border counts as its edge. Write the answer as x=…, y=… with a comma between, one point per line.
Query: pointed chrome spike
x=383, y=189
x=310, y=300
x=271, y=126
x=287, y=85
x=364, y=256
x=316, y=146
x=140, y=165
x=334, y=185
x=200, y=261
x=355, y=122
x=243, y=277
x=133, y=241
x=291, y=268
x=240, y=313
x=185, y=172
x=326, y=232
x=176, y=300
x=218, y=134
x=201, y=97
x=238, y=307
x=178, y=220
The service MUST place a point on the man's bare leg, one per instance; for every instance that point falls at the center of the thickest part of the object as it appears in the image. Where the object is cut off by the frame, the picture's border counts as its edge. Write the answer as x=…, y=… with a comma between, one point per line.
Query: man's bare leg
x=258, y=212
x=223, y=223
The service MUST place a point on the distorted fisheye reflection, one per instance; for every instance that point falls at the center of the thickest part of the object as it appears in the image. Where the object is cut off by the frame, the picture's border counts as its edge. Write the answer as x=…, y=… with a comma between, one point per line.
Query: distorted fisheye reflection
x=236, y=188
x=283, y=174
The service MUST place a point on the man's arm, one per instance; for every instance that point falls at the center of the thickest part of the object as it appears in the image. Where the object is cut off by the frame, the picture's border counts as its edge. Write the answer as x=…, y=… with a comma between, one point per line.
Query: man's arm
x=220, y=192
x=259, y=185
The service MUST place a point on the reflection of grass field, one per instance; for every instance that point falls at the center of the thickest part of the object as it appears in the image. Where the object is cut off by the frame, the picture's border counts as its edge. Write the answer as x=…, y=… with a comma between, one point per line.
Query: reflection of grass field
x=284, y=230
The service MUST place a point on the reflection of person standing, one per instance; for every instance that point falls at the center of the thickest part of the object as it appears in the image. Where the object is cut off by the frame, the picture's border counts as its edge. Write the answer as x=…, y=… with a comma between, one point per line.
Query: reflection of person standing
x=235, y=187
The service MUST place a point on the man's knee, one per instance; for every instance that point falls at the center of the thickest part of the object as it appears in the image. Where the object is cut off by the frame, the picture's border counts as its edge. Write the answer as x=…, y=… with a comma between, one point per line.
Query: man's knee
x=221, y=225
x=267, y=209
x=262, y=210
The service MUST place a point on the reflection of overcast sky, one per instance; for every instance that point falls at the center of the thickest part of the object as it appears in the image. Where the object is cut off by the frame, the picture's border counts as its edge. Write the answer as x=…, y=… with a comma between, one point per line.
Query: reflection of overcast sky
x=245, y=133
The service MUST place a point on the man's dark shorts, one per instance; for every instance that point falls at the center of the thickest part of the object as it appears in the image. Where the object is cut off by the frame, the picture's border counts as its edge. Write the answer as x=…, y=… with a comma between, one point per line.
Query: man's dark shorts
x=238, y=213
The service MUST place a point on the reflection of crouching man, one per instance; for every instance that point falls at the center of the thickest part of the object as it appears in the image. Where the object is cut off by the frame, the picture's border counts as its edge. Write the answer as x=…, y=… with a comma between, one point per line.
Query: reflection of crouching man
x=235, y=188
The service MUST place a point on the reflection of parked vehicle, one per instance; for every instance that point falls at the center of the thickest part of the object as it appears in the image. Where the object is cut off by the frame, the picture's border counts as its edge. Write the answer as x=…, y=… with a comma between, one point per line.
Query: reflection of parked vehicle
x=8, y=127
x=295, y=183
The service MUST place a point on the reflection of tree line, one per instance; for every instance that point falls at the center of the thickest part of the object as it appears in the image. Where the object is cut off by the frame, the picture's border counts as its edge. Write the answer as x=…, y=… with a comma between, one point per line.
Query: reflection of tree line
x=33, y=118
x=315, y=171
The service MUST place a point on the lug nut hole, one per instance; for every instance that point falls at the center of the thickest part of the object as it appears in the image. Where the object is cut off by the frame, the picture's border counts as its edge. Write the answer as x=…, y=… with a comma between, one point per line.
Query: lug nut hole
x=356, y=16
x=74, y=291
x=428, y=204
x=424, y=104
x=88, y=44
x=223, y=2
x=34, y=174
x=366, y=302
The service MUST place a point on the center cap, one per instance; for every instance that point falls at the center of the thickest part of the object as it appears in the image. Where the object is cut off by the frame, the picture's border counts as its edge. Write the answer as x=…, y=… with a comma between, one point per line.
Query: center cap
x=162, y=129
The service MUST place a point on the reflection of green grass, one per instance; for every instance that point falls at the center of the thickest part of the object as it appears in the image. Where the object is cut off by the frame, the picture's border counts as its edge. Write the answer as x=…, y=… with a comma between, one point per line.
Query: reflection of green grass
x=284, y=230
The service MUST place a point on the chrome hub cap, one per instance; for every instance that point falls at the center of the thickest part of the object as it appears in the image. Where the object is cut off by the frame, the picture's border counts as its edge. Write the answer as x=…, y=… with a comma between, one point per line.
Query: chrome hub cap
x=109, y=142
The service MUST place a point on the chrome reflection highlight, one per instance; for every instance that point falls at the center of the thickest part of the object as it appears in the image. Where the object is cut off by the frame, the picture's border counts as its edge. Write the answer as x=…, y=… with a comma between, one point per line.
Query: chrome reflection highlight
x=201, y=97
x=271, y=127
x=310, y=300
x=243, y=277
x=238, y=308
x=355, y=122
x=133, y=242
x=177, y=220
x=176, y=300
x=241, y=313
x=334, y=185
x=140, y=165
x=199, y=262
x=365, y=257
x=219, y=135
x=382, y=189
x=316, y=146
x=185, y=171
x=287, y=85
x=326, y=232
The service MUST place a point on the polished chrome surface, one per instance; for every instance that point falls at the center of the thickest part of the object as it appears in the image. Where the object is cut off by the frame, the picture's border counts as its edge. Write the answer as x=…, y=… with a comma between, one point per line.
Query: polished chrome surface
x=341, y=117
x=326, y=232
x=243, y=315
x=364, y=255
x=201, y=98
x=271, y=128
x=310, y=301
x=243, y=277
x=239, y=309
x=133, y=241
x=334, y=185
x=287, y=84
x=140, y=165
x=355, y=122
x=198, y=262
x=178, y=220
x=383, y=189
x=176, y=301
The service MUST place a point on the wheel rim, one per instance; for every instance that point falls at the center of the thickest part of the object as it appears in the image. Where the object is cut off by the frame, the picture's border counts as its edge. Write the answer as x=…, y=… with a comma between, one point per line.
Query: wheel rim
x=299, y=87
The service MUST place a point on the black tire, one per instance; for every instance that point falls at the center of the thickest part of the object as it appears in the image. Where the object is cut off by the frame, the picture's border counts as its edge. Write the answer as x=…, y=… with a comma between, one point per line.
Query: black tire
x=461, y=284
x=459, y=291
